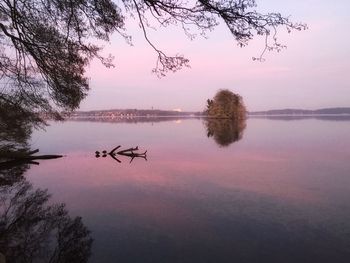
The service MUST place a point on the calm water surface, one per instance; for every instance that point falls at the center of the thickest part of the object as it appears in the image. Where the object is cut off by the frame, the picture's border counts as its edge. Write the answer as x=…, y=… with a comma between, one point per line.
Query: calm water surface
x=279, y=194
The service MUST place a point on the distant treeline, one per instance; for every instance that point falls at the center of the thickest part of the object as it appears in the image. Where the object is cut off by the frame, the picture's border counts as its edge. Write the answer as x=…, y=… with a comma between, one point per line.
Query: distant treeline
x=326, y=111
x=132, y=115
x=133, y=119
x=129, y=114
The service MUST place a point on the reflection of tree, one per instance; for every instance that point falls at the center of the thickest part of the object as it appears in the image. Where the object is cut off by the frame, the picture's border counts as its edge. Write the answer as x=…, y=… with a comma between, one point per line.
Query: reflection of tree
x=31, y=230
x=225, y=131
x=10, y=172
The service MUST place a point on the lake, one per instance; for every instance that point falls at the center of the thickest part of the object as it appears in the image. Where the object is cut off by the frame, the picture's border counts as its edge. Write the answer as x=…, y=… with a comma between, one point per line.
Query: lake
x=275, y=190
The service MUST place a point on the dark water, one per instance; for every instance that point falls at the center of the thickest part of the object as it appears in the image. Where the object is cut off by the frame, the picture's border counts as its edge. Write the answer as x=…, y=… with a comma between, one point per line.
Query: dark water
x=279, y=192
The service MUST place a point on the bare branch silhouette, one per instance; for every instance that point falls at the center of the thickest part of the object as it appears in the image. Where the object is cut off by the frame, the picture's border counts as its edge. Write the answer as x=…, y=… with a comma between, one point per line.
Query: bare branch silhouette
x=129, y=152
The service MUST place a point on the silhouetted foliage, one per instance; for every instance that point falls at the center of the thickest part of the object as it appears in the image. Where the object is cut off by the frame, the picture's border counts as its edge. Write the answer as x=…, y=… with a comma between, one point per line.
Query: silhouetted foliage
x=15, y=129
x=31, y=230
x=45, y=48
x=226, y=105
x=46, y=45
x=225, y=131
x=16, y=124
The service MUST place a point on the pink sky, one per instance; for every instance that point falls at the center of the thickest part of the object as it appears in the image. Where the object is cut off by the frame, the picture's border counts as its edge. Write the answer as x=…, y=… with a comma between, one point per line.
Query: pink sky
x=313, y=72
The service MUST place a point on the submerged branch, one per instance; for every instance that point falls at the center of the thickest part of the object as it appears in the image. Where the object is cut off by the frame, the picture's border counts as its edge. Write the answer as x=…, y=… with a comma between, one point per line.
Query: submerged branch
x=130, y=152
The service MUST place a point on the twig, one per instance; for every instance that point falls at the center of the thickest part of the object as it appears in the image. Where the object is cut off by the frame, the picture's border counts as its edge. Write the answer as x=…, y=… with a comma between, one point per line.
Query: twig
x=128, y=150
x=115, y=158
x=112, y=152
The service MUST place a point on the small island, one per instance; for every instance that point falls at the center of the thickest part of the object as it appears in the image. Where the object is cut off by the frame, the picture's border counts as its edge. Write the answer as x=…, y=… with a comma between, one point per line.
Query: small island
x=226, y=105
x=225, y=117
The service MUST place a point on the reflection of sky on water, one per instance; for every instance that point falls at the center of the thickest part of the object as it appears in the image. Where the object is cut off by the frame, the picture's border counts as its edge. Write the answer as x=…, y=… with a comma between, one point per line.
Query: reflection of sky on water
x=278, y=195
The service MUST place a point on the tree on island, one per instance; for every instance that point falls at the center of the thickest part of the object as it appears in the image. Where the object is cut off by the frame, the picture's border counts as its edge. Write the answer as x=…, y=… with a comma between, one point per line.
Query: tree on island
x=46, y=45
x=226, y=105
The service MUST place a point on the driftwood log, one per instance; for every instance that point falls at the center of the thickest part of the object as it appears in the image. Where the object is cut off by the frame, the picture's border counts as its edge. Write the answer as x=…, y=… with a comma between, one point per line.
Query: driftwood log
x=20, y=157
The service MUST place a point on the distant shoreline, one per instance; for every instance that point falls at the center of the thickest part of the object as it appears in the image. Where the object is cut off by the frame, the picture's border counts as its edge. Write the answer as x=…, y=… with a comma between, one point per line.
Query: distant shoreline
x=296, y=115
x=301, y=112
x=156, y=119
x=135, y=113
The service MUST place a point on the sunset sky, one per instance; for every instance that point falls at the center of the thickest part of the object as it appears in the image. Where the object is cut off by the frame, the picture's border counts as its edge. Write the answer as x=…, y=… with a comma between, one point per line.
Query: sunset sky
x=313, y=72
